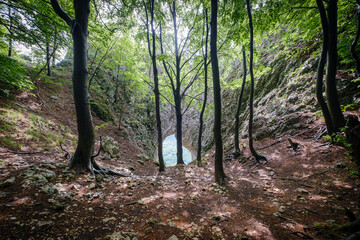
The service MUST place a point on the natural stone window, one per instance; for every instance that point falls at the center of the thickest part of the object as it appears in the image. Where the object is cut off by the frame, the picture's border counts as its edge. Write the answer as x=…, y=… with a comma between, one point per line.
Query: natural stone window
x=169, y=152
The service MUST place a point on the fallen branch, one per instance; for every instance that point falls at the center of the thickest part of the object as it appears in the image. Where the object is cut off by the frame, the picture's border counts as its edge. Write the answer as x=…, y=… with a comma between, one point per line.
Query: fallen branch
x=279, y=141
x=31, y=152
x=217, y=222
x=26, y=108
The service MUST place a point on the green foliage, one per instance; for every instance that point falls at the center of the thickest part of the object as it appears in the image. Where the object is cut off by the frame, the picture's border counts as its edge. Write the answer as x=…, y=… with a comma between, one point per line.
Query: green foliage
x=13, y=75
x=350, y=107
x=101, y=110
x=338, y=139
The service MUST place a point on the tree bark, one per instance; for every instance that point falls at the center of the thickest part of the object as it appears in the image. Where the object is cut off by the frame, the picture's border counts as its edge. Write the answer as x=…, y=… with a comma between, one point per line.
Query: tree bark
x=356, y=39
x=201, y=120
x=48, y=58
x=331, y=92
x=219, y=171
x=257, y=156
x=10, y=34
x=177, y=96
x=82, y=159
x=152, y=52
x=320, y=72
x=236, y=134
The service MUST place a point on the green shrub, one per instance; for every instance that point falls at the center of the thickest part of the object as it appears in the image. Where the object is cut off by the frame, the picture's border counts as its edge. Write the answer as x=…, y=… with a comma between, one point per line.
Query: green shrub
x=13, y=75
x=101, y=110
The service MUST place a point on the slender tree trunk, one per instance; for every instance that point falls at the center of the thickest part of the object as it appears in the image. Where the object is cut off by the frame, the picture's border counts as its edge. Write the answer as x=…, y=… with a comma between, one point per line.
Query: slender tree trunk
x=10, y=33
x=356, y=39
x=236, y=138
x=219, y=171
x=320, y=72
x=48, y=58
x=201, y=120
x=257, y=156
x=177, y=96
x=152, y=53
x=331, y=92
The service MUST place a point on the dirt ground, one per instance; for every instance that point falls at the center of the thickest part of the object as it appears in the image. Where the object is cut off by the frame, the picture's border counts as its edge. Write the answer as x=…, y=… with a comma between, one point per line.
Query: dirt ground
x=296, y=195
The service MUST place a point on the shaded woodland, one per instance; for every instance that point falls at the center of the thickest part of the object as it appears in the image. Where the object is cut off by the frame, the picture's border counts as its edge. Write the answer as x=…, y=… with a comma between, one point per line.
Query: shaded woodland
x=264, y=94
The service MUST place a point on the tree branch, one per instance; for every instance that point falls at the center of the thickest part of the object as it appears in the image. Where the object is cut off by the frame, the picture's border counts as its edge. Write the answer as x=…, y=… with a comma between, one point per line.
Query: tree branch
x=192, y=99
x=59, y=11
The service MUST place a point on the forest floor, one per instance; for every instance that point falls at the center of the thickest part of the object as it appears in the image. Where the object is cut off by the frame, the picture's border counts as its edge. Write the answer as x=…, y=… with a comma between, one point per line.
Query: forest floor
x=296, y=195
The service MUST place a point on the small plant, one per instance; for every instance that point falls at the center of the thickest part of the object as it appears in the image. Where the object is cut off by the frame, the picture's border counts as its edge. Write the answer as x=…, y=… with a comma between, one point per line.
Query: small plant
x=350, y=107
x=337, y=139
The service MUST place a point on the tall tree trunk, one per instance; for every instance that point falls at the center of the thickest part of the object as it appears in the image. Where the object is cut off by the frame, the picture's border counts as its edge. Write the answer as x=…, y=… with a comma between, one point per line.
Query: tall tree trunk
x=201, y=120
x=320, y=72
x=178, y=114
x=177, y=96
x=10, y=33
x=48, y=58
x=236, y=138
x=152, y=53
x=85, y=147
x=257, y=156
x=82, y=159
x=219, y=171
x=331, y=92
x=356, y=39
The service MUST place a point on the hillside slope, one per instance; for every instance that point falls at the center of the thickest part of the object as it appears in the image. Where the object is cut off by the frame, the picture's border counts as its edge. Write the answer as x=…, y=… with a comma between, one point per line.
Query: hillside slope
x=297, y=195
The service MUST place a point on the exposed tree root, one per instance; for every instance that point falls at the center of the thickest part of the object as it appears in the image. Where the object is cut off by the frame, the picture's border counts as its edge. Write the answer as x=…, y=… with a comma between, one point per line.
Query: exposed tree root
x=260, y=157
x=91, y=166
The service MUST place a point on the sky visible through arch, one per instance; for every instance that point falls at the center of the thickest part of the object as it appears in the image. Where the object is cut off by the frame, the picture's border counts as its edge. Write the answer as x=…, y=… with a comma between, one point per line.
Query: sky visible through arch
x=169, y=152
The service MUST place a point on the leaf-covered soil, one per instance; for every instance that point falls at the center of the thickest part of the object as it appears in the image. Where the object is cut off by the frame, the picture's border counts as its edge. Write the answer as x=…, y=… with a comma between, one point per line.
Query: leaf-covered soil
x=296, y=195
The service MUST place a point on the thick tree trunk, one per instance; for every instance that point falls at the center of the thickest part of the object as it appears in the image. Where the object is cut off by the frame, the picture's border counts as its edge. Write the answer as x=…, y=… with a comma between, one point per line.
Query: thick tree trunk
x=356, y=39
x=331, y=92
x=201, y=120
x=236, y=134
x=85, y=148
x=219, y=171
x=257, y=156
x=320, y=73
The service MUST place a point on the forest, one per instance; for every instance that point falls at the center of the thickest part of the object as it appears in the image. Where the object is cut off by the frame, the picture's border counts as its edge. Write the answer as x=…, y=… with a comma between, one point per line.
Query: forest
x=171, y=120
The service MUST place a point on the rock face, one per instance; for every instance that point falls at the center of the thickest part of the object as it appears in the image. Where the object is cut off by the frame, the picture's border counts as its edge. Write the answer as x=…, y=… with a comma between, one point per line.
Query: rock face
x=282, y=89
x=190, y=123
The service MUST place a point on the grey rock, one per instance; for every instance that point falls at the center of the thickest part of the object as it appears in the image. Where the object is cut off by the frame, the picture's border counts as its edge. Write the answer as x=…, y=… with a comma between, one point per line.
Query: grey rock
x=8, y=182
x=173, y=237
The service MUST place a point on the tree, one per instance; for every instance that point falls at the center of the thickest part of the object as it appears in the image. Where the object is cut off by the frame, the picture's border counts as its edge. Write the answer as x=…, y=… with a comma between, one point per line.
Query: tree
x=320, y=72
x=205, y=56
x=356, y=39
x=79, y=29
x=331, y=92
x=152, y=53
x=236, y=128
x=219, y=171
x=175, y=69
x=257, y=156
x=83, y=158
